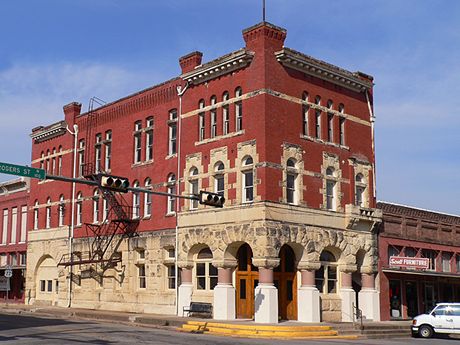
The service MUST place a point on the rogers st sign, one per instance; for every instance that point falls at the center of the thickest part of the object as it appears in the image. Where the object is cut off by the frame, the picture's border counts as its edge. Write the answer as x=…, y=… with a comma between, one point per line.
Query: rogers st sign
x=407, y=262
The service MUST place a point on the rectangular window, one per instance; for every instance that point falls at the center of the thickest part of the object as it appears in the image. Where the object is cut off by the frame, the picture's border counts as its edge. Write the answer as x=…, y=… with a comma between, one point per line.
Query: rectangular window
x=148, y=204
x=42, y=285
x=23, y=258
x=96, y=209
x=248, y=191
x=171, y=199
x=171, y=253
x=201, y=276
x=60, y=164
x=202, y=124
x=81, y=157
x=171, y=276
x=330, y=128
x=136, y=205
x=98, y=153
x=213, y=123
x=193, y=190
x=5, y=226
x=290, y=188
x=105, y=210
x=108, y=150
x=172, y=132
x=226, y=119
x=14, y=224
x=219, y=186
x=330, y=202
x=149, y=144
x=14, y=260
x=79, y=211
x=23, y=233
x=342, y=131
x=446, y=258
x=48, y=217
x=305, y=109
x=318, y=125
x=359, y=196
x=142, y=280
x=239, y=115
x=50, y=285
x=36, y=218
x=137, y=142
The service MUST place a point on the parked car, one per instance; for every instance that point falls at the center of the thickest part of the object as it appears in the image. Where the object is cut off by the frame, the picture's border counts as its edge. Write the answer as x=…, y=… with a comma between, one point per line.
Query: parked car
x=443, y=319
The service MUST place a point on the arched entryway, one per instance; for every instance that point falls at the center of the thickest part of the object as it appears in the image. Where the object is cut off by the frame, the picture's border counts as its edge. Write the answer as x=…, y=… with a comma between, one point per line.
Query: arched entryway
x=46, y=281
x=247, y=278
x=285, y=280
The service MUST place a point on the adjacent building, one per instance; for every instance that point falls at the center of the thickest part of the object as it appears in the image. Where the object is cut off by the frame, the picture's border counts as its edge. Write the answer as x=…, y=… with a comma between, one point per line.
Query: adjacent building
x=419, y=261
x=286, y=138
x=14, y=197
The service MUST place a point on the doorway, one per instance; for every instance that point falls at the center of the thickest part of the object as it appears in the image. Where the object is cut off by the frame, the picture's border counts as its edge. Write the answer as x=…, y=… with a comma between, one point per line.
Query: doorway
x=411, y=299
x=285, y=280
x=247, y=278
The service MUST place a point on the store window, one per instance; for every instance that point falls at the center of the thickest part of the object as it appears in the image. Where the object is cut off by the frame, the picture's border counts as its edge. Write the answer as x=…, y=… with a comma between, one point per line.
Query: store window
x=395, y=298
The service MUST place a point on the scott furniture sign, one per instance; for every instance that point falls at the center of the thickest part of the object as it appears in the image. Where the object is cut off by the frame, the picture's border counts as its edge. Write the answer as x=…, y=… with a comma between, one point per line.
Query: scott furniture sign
x=407, y=262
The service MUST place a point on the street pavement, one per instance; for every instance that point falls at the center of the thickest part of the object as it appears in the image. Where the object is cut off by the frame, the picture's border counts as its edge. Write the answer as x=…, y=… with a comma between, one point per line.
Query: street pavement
x=25, y=329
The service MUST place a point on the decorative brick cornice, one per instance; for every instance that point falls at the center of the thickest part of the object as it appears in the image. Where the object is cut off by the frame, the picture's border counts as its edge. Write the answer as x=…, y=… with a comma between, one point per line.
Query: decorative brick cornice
x=354, y=81
x=407, y=211
x=41, y=134
x=221, y=66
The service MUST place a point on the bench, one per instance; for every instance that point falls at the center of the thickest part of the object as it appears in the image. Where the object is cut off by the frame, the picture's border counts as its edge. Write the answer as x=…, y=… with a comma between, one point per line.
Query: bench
x=198, y=308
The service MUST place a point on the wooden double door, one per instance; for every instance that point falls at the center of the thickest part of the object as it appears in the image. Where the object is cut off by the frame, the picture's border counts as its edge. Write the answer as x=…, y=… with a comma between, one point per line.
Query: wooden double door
x=247, y=279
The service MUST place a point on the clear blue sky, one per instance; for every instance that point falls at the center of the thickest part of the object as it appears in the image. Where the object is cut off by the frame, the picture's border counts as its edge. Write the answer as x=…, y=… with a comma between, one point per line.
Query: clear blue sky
x=56, y=51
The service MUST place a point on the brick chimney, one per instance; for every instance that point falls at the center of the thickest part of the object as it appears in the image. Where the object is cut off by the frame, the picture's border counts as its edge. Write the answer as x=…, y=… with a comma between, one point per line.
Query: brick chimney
x=265, y=34
x=190, y=61
x=71, y=111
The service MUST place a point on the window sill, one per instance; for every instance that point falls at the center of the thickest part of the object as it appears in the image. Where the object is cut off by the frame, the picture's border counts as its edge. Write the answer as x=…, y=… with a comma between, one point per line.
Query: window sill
x=220, y=137
x=321, y=141
x=147, y=217
x=174, y=155
x=141, y=164
x=171, y=214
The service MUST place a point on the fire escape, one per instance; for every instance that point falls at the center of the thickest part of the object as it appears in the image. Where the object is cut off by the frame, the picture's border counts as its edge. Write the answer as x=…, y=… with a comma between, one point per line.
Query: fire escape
x=103, y=238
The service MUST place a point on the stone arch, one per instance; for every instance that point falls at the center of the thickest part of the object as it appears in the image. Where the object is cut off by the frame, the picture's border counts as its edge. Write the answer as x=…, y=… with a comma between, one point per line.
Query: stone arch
x=46, y=276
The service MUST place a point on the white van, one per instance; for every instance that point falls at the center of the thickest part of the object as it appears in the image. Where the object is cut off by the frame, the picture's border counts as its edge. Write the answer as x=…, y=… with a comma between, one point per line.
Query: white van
x=444, y=318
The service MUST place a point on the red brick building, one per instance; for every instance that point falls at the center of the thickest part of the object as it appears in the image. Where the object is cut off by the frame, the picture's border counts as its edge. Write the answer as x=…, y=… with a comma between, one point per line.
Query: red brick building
x=419, y=262
x=14, y=198
x=286, y=138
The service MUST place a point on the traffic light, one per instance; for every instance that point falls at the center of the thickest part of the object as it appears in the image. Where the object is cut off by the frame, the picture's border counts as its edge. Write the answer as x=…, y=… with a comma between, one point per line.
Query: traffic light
x=211, y=199
x=116, y=183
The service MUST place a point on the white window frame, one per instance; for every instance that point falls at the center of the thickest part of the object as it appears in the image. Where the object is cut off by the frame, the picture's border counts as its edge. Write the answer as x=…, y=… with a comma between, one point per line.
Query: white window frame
x=81, y=157
x=201, y=120
x=360, y=188
x=136, y=202
x=79, y=212
x=331, y=190
x=108, y=150
x=61, y=208
x=98, y=153
x=238, y=110
x=248, y=170
x=36, y=215
x=149, y=140
x=193, y=187
x=172, y=132
x=171, y=201
x=23, y=231
x=147, y=199
x=137, y=142
x=60, y=161
x=48, y=214
x=142, y=276
x=96, y=207
x=225, y=115
x=14, y=225
x=209, y=277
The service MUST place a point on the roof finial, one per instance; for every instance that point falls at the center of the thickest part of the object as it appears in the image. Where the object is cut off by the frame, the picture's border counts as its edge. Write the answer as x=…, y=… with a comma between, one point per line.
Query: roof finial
x=263, y=11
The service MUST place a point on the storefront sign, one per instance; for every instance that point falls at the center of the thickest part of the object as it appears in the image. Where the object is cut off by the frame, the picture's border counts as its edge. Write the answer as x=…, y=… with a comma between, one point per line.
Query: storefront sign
x=4, y=284
x=408, y=262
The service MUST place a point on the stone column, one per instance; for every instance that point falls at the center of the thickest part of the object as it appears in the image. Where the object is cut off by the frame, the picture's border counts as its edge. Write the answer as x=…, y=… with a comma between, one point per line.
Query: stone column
x=369, y=297
x=185, y=288
x=224, y=292
x=347, y=294
x=308, y=303
x=266, y=294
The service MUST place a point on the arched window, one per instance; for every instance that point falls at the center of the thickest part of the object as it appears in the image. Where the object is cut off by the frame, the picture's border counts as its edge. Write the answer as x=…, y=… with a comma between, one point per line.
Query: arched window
x=219, y=181
x=330, y=189
x=48, y=167
x=201, y=116
x=326, y=276
x=137, y=141
x=171, y=208
x=42, y=160
x=330, y=122
x=239, y=110
x=172, y=124
x=96, y=206
x=225, y=114
x=193, y=187
x=36, y=215
x=213, y=117
x=318, y=100
x=149, y=139
x=205, y=272
x=305, y=109
x=360, y=187
x=136, y=202
x=248, y=179
x=61, y=210
x=329, y=104
x=48, y=214
x=79, y=209
x=98, y=153
x=291, y=182
x=147, y=199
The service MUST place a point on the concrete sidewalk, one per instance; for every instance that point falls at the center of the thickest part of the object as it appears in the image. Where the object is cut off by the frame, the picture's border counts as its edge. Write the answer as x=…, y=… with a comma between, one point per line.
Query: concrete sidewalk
x=175, y=322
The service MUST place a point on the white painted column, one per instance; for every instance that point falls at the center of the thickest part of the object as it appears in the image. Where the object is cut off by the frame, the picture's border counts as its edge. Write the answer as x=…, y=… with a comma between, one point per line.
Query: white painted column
x=185, y=290
x=266, y=298
x=369, y=298
x=308, y=304
x=348, y=296
x=224, y=295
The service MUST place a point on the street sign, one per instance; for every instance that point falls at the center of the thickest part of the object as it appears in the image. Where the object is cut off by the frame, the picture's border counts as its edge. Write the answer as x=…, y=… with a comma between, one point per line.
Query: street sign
x=20, y=170
x=4, y=284
x=8, y=273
